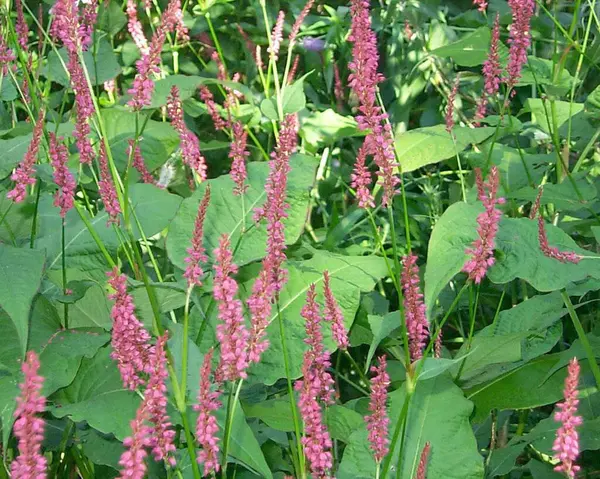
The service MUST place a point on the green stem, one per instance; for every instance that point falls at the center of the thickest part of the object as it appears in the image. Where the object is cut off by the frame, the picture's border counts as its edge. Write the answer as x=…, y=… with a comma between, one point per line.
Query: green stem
x=190, y=444
x=583, y=338
x=64, y=274
x=185, y=346
x=233, y=400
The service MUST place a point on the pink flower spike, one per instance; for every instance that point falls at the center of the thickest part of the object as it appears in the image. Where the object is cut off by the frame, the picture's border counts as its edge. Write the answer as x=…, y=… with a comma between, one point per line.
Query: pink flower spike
x=481, y=250
x=231, y=331
x=196, y=252
x=129, y=340
x=277, y=36
x=238, y=154
x=338, y=89
x=107, y=189
x=551, y=251
x=136, y=446
x=519, y=38
x=491, y=67
x=566, y=444
x=300, y=20
x=535, y=207
x=84, y=109
x=260, y=307
x=29, y=427
x=333, y=314
x=422, y=469
x=211, y=106
x=155, y=400
x=139, y=164
x=21, y=26
x=24, y=175
x=206, y=425
x=59, y=156
x=189, y=144
x=135, y=28
x=378, y=422
x=361, y=180
x=414, y=309
x=7, y=56
x=480, y=4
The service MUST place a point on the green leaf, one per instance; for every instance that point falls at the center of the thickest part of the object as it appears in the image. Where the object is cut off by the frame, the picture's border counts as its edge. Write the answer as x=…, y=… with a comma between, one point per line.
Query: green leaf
x=22, y=270
x=18, y=219
x=12, y=152
x=101, y=69
x=159, y=141
x=342, y=422
x=9, y=390
x=541, y=112
x=293, y=101
x=96, y=396
x=540, y=71
x=593, y=100
x=381, y=327
x=10, y=347
x=470, y=50
x=99, y=448
x=350, y=275
x=518, y=254
x=111, y=18
x=227, y=213
x=61, y=358
x=432, y=144
x=275, y=413
x=327, y=127
x=563, y=195
x=433, y=367
x=439, y=414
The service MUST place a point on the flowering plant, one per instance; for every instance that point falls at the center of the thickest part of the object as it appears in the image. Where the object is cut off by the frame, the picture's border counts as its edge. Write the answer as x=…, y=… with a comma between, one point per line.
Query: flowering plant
x=304, y=238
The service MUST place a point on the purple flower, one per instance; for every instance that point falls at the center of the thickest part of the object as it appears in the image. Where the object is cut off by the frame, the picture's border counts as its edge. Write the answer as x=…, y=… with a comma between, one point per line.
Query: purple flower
x=63, y=178
x=551, y=251
x=206, y=425
x=238, y=154
x=107, y=189
x=491, y=67
x=313, y=44
x=414, y=309
x=482, y=249
x=136, y=446
x=519, y=38
x=211, y=106
x=196, y=252
x=231, y=331
x=378, y=422
x=189, y=144
x=29, y=427
x=6, y=56
x=566, y=444
x=24, y=175
x=129, y=340
x=333, y=314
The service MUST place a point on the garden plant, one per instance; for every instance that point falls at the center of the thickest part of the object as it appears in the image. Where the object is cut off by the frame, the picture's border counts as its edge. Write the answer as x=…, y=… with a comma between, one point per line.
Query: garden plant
x=301, y=239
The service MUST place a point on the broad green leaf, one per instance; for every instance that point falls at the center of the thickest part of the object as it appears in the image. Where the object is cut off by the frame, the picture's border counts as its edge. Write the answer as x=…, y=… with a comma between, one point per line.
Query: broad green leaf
x=15, y=229
x=9, y=390
x=439, y=414
x=521, y=388
x=100, y=448
x=518, y=254
x=228, y=213
x=293, y=101
x=432, y=144
x=12, y=152
x=21, y=275
x=96, y=396
x=433, y=367
x=541, y=112
x=159, y=141
x=101, y=64
x=326, y=127
x=11, y=352
x=342, y=422
x=111, y=18
x=153, y=207
x=540, y=71
x=350, y=275
x=593, y=100
x=575, y=351
x=8, y=90
x=61, y=357
x=470, y=50
x=381, y=327
x=563, y=195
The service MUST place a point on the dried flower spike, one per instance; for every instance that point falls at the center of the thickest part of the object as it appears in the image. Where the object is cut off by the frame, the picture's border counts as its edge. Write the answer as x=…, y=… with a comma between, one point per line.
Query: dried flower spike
x=29, y=427
x=378, y=422
x=450, y=107
x=414, y=309
x=277, y=36
x=566, y=444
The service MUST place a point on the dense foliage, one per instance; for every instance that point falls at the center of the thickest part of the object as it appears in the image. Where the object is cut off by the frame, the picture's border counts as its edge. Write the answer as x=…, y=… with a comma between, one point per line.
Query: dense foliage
x=250, y=238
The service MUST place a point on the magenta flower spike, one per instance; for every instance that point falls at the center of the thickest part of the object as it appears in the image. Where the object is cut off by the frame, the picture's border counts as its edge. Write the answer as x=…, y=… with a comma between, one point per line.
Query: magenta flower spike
x=139, y=164
x=29, y=427
x=378, y=421
x=480, y=4
x=59, y=156
x=414, y=309
x=133, y=458
x=361, y=180
x=238, y=155
x=491, y=73
x=129, y=340
x=21, y=26
x=196, y=252
x=206, y=425
x=333, y=314
x=566, y=445
x=260, y=307
x=155, y=399
x=7, y=57
x=135, y=28
x=552, y=251
x=300, y=20
x=277, y=36
x=24, y=175
x=211, y=106
x=482, y=250
x=519, y=38
x=422, y=469
x=107, y=189
x=189, y=144
x=535, y=207
x=231, y=331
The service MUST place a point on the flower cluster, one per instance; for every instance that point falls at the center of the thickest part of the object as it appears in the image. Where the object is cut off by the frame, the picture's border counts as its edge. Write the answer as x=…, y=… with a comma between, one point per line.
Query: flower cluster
x=196, y=252
x=378, y=422
x=277, y=36
x=21, y=26
x=552, y=251
x=519, y=38
x=333, y=314
x=139, y=164
x=238, y=154
x=363, y=80
x=422, y=469
x=231, y=332
x=482, y=250
x=59, y=155
x=107, y=189
x=130, y=341
x=135, y=28
x=566, y=444
x=206, y=425
x=491, y=72
x=132, y=459
x=189, y=144
x=209, y=100
x=480, y=4
x=316, y=386
x=6, y=56
x=414, y=309
x=29, y=427
x=24, y=175
x=300, y=20
x=450, y=108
